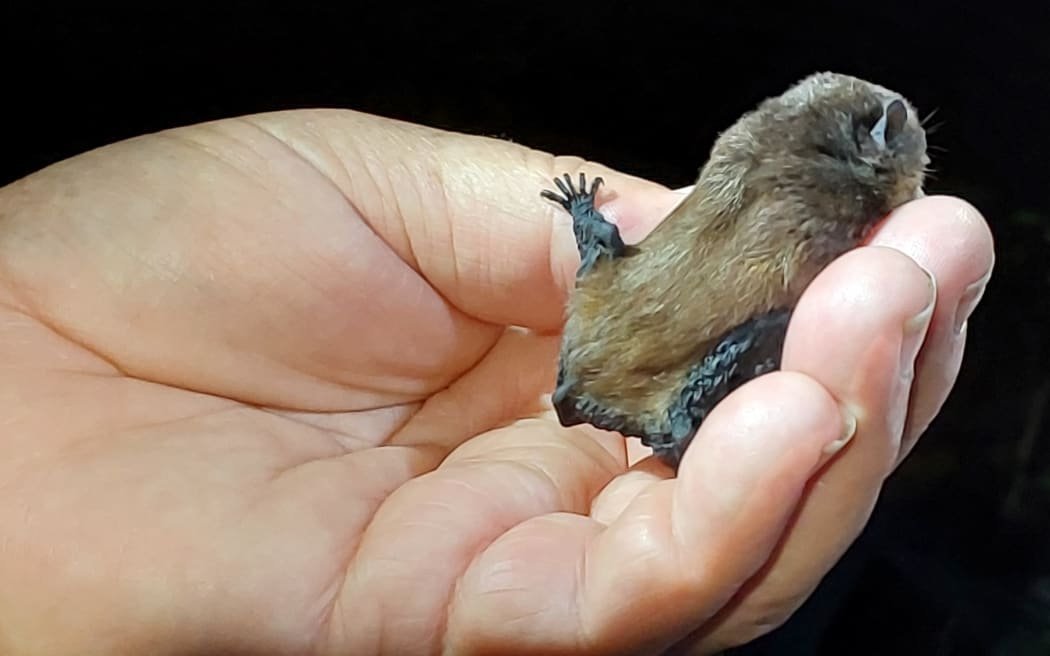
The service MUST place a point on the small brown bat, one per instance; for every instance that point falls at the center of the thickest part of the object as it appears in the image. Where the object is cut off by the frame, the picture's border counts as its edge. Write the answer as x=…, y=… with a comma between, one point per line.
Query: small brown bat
x=659, y=332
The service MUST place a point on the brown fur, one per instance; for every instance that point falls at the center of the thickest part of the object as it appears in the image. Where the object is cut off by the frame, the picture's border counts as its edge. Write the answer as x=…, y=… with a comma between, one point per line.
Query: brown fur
x=786, y=189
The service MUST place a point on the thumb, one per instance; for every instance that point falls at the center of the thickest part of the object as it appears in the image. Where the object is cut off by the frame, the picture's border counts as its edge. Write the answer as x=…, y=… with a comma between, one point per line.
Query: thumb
x=465, y=211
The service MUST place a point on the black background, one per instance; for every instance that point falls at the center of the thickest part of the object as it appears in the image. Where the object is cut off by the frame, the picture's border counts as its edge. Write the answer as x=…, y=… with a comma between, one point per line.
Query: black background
x=955, y=558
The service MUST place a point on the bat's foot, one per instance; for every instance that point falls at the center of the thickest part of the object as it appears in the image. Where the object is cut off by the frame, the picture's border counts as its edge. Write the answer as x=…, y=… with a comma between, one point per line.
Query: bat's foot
x=744, y=353
x=566, y=404
x=574, y=409
x=595, y=237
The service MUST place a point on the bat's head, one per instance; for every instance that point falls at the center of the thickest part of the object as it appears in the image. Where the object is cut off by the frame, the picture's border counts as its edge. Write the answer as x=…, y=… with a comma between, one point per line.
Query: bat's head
x=868, y=132
x=848, y=149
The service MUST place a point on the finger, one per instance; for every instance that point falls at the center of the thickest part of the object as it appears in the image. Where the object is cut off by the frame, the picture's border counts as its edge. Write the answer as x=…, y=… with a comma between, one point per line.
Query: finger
x=427, y=547
x=508, y=384
x=950, y=239
x=619, y=493
x=466, y=211
x=674, y=555
x=856, y=330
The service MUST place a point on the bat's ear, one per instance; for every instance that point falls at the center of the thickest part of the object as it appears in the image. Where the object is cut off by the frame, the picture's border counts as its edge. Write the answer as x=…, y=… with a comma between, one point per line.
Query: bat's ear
x=891, y=124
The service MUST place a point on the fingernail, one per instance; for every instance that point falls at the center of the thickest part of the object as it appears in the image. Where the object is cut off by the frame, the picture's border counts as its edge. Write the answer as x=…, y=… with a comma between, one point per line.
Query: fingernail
x=968, y=302
x=915, y=328
x=849, y=429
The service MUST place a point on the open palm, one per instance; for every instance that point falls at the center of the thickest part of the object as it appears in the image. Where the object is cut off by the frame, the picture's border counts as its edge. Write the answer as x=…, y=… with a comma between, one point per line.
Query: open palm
x=277, y=385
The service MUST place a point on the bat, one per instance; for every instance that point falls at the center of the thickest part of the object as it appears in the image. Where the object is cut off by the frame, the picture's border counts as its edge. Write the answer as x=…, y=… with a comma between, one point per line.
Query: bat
x=659, y=332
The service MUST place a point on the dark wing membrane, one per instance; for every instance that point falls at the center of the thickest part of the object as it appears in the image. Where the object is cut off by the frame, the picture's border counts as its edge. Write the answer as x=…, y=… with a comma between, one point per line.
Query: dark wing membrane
x=742, y=354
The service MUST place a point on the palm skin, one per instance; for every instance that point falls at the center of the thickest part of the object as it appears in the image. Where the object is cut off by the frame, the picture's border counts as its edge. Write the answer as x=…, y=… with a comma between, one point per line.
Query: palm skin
x=276, y=385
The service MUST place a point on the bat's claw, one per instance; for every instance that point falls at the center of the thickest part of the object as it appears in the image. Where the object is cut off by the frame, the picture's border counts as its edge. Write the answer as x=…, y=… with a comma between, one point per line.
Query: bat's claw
x=571, y=197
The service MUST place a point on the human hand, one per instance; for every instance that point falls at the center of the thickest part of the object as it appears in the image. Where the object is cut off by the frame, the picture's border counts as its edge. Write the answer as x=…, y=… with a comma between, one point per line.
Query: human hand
x=275, y=385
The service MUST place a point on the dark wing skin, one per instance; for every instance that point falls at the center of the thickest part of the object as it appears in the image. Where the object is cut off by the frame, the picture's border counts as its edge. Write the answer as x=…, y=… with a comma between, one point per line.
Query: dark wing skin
x=744, y=353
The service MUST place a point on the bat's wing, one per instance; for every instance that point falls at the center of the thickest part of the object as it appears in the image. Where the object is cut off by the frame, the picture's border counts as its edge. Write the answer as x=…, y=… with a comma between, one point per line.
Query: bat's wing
x=744, y=353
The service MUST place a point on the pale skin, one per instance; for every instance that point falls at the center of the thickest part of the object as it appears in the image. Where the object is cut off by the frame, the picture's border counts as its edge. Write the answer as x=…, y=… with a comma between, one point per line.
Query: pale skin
x=258, y=396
